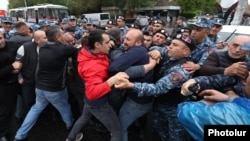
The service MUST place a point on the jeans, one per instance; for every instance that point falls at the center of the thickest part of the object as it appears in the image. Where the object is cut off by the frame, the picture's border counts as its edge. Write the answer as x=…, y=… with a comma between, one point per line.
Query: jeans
x=130, y=112
x=105, y=114
x=58, y=99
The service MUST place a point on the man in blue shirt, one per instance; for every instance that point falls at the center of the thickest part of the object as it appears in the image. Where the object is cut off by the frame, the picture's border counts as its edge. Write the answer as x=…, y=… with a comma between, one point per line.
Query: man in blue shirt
x=169, y=76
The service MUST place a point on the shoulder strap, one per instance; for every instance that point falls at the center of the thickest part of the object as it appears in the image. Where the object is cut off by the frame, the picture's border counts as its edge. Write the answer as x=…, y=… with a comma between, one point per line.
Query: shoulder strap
x=181, y=61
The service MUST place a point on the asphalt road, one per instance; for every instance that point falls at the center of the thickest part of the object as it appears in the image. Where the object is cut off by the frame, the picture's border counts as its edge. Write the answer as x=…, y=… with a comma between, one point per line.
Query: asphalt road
x=50, y=127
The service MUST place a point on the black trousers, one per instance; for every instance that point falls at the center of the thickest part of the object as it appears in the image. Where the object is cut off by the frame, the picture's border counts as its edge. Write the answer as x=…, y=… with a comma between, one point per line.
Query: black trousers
x=8, y=99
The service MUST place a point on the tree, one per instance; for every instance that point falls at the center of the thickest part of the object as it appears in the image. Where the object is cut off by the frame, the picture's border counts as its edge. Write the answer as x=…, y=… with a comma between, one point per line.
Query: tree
x=77, y=7
x=196, y=7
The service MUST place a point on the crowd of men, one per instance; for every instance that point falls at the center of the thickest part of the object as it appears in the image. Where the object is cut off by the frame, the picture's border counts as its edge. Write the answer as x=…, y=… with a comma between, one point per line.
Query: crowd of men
x=116, y=75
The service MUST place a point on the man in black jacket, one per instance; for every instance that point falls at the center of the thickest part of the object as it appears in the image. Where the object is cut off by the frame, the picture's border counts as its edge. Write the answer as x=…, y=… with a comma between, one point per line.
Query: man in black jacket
x=50, y=81
x=28, y=55
x=20, y=37
x=8, y=85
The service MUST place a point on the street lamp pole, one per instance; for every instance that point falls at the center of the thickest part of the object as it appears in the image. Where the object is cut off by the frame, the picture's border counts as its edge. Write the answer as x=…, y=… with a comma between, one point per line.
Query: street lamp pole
x=25, y=12
x=25, y=3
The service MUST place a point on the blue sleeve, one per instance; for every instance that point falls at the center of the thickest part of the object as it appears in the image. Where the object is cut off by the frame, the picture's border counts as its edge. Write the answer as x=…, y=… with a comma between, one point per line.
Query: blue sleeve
x=204, y=56
x=174, y=79
x=217, y=82
x=135, y=71
x=125, y=60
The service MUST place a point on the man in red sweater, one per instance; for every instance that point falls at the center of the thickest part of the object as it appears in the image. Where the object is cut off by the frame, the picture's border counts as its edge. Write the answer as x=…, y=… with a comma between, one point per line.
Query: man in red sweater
x=93, y=69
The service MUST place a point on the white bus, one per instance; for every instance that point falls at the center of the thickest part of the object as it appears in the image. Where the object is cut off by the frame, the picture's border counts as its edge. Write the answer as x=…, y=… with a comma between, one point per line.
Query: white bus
x=17, y=13
x=99, y=19
x=47, y=11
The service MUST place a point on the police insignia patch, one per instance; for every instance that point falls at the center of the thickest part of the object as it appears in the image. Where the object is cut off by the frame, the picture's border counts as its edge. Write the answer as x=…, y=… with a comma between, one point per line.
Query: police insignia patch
x=175, y=78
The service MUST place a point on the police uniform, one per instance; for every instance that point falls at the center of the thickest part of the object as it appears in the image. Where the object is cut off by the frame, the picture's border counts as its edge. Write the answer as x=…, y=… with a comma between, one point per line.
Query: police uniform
x=64, y=21
x=85, y=20
x=123, y=29
x=43, y=24
x=219, y=22
x=177, y=27
x=9, y=34
x=164, y=32
x=164, y=112
x=78, y=30
x=206, y=47
x=217, y=81
x=169, y=78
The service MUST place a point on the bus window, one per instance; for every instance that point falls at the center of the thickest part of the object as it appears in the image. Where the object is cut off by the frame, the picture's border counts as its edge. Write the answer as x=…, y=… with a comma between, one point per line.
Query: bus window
x=104, y=16
x=41, y=13
x=62, y=13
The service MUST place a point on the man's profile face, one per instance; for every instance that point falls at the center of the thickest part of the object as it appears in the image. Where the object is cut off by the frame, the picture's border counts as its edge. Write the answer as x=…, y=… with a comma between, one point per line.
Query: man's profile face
x=148, y=40
x=130, y=40
x=159, y=39
x=234, y=50
x=105, y=45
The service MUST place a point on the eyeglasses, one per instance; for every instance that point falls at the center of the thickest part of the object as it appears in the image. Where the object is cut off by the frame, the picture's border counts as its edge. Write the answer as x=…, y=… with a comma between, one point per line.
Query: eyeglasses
x=184, y=38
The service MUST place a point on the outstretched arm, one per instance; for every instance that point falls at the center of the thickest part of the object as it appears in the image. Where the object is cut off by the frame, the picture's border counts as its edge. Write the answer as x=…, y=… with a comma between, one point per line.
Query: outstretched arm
x=217, y=82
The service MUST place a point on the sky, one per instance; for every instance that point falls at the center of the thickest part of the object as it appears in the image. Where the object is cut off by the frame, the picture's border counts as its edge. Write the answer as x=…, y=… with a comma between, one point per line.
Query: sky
x=4, y=4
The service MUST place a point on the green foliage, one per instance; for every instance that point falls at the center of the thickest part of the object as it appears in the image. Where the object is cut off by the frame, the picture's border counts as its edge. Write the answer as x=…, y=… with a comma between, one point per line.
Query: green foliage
x=189, y=15
x=132, y=5
x=77, y=7
x=196, y=6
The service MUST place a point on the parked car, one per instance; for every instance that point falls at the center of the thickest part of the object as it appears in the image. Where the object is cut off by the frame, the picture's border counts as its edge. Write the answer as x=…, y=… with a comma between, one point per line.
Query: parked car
x=228, y=32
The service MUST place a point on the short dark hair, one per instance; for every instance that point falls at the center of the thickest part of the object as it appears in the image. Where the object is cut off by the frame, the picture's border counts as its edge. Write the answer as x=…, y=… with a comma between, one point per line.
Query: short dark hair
x=52, y=32
x=19, y=25
x=95, y=36
x=115, y=33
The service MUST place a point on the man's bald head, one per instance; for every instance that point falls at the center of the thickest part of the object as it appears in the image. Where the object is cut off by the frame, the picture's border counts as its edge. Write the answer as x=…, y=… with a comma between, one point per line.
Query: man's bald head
x=134, y=37
x=241, y=38
x=40, y=37
x=234, y=49
x=68, y=38
x=138, y=34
